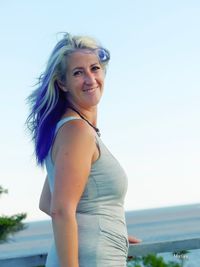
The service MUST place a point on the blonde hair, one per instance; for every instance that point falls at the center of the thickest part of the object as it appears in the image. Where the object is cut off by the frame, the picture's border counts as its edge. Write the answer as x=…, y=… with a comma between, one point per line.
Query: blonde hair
x=47, y=101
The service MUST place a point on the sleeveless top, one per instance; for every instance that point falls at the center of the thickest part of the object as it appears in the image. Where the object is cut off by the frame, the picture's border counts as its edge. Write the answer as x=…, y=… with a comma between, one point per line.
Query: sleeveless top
x=102, y=200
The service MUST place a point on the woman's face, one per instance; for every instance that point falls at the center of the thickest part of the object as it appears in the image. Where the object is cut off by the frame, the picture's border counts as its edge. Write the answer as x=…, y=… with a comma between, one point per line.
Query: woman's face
x=84, y=79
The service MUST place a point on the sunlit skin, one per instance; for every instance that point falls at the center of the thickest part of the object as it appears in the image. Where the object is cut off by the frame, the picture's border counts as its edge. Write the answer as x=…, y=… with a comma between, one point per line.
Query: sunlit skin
x=84, y=82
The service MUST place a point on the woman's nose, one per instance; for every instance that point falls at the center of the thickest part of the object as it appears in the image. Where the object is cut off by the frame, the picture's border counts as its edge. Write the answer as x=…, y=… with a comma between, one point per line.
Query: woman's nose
x=89, y=78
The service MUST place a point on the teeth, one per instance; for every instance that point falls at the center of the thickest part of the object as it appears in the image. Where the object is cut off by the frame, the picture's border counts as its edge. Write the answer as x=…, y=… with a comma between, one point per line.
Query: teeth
x=86, y=90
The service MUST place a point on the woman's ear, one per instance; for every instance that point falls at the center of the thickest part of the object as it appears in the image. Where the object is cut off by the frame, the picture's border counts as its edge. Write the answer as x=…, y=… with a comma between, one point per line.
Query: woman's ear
x=62, y=86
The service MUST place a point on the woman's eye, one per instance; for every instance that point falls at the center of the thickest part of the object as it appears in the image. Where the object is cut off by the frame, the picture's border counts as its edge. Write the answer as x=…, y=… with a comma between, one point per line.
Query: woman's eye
x=95, y=68
x=77, y=73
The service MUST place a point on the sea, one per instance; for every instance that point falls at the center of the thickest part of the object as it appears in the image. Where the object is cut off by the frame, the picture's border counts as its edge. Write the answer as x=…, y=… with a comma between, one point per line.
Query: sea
x=150, y=225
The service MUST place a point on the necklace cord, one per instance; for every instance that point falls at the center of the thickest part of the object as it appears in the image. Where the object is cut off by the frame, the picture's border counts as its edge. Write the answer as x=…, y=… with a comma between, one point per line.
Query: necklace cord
x=82, y=117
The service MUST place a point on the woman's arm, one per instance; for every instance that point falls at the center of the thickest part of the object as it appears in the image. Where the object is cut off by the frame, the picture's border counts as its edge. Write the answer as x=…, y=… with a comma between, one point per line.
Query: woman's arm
x=45, y=198
x=72, y=159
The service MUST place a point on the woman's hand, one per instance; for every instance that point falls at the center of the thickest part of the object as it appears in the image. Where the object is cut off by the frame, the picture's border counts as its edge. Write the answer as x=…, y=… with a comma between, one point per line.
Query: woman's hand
x=133, y=240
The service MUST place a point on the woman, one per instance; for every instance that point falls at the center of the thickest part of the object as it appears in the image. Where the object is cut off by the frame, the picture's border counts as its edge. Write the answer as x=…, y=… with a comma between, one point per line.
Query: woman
x=86, y=185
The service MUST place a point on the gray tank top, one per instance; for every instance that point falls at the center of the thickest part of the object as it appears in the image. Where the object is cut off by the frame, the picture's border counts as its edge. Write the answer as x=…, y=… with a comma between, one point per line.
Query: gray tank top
x=105, y=189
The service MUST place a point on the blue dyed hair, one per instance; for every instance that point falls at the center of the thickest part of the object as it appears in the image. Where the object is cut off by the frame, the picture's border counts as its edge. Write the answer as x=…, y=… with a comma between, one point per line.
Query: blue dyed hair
x=48, y=102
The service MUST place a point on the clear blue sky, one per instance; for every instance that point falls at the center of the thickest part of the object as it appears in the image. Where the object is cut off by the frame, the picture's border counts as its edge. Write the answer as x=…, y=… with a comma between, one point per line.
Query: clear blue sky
x=149, y=115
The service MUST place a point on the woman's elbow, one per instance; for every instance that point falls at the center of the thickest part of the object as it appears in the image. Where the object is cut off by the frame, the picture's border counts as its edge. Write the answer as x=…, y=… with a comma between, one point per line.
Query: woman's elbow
x=63, y=213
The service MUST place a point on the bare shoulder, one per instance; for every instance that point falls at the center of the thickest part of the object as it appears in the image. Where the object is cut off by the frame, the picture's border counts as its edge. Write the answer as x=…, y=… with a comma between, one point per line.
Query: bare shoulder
x=75, y=129
x=75, y=134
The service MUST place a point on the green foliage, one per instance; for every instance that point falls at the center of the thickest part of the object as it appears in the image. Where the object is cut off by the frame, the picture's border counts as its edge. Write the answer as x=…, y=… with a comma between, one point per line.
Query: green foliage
x=151, y=260
x=10, y=224
x=2, y=190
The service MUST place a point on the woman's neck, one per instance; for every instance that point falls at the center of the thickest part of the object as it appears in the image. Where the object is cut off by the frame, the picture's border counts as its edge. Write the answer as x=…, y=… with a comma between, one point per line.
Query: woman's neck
x=85, y=118
x=88, y=113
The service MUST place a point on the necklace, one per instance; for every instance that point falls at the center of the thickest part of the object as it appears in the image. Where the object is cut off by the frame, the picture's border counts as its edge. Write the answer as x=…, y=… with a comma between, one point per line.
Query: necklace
x=82, y=117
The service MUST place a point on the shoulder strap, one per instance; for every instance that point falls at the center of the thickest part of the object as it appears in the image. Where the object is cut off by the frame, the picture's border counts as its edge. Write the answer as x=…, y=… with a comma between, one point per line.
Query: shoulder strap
x=64, y=120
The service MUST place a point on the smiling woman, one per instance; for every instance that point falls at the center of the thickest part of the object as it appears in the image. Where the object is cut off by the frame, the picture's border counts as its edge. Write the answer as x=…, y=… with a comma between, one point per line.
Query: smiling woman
x=84, y=79
x=85, y=188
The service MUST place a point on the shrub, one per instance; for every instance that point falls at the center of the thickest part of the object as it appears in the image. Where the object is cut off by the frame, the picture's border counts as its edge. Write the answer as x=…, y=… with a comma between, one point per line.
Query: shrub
x=10, y=224
x=151, y=260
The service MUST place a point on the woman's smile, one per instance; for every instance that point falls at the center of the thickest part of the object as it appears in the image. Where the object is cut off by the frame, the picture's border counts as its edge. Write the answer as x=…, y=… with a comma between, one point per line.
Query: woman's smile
x=90, y=90
x=85, y=79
